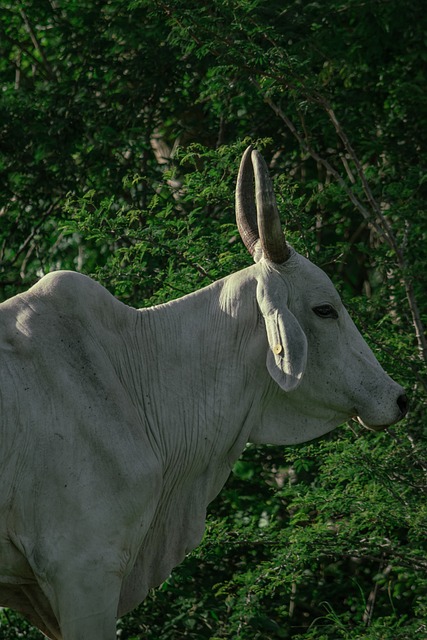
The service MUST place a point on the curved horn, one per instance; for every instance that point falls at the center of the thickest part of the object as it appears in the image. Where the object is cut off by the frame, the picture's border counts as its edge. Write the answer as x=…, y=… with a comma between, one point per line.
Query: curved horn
x=270, y=230
x=246, y=216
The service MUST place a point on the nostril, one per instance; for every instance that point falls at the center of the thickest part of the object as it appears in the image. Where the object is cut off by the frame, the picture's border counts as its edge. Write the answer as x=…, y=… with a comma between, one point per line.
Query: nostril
x=403, y=404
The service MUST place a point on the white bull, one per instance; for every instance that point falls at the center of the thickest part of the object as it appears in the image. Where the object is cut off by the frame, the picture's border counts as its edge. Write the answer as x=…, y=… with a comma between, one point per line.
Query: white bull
x=119, y=426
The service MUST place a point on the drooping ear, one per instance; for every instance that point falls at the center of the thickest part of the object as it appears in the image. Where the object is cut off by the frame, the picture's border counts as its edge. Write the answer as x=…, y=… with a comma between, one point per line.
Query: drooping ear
x=287, y=353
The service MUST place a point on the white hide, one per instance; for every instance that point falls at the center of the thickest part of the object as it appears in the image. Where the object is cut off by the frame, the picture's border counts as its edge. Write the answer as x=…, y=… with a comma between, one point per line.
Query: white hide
x=119, y=426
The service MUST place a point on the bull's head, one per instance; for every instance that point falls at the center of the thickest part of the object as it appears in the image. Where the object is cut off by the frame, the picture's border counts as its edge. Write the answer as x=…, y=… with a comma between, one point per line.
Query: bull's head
x=315, y=352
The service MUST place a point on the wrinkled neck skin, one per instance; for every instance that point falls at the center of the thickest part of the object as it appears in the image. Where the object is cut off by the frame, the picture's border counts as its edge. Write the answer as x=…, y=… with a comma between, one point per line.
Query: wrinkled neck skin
x=200, y=366
x=204, y=349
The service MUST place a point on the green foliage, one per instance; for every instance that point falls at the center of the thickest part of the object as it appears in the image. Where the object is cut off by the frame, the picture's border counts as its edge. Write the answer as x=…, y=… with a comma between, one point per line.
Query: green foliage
x=122, y=130
x=12, y=626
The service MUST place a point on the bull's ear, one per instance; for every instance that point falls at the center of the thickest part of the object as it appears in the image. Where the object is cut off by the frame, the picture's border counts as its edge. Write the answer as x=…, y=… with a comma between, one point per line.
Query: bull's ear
x=287, y=353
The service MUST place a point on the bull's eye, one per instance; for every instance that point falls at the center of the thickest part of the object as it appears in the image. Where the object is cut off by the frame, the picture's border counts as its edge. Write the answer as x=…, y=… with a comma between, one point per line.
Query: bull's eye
x=325, y=311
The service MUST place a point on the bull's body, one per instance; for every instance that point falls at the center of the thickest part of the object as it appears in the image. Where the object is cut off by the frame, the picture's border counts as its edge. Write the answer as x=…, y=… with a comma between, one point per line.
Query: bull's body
x=119, y=426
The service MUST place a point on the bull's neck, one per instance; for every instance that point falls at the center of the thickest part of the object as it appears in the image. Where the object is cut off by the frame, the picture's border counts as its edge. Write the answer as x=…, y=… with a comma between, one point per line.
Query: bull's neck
x=198, y=403
x=199, y=370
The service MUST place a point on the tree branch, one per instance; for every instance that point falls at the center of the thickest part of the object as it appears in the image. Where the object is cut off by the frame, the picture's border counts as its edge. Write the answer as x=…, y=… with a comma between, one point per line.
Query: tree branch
x=36, y=43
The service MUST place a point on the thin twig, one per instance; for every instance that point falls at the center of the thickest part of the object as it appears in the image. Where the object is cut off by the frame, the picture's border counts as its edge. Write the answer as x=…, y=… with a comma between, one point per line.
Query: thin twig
x=370, y=603
x=36, y=43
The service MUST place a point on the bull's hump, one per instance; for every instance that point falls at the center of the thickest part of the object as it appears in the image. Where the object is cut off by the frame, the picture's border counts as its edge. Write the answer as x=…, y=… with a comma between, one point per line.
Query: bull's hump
x=71, y=291
x=72, y=295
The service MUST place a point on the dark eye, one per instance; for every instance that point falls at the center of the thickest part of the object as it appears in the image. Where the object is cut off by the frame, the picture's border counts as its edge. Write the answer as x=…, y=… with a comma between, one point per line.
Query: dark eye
x=325, y=311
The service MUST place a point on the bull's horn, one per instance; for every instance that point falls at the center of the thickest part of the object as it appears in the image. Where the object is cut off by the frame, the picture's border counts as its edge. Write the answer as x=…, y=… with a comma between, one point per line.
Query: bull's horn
x=273, y=242
x=246, y=216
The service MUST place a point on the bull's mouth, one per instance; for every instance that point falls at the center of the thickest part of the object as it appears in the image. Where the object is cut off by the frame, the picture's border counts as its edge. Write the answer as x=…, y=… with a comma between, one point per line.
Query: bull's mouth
x=372, y=427
x=402, y=406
